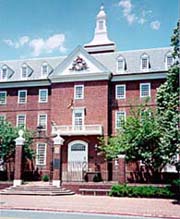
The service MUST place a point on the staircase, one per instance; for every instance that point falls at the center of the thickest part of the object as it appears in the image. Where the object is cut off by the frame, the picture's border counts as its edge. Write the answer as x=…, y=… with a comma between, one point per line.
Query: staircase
x=36, y=188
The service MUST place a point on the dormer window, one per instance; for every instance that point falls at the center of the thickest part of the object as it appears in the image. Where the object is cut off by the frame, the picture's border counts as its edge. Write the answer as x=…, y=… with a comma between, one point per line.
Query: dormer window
x=169, y=60
x=44, y=69
x=145, y=62
x=4, y=72
x=24, y=71
x=120, y=64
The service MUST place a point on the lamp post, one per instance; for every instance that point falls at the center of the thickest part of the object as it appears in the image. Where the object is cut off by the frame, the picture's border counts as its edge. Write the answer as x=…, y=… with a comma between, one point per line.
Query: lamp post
x=58, y=142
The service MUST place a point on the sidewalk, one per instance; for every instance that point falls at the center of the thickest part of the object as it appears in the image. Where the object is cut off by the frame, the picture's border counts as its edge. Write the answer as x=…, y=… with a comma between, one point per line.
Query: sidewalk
x=94, y=204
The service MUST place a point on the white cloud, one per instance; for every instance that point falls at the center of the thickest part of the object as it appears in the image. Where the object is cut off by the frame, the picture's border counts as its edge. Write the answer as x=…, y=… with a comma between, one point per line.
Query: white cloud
x=155, y=25
x=127, y=6
x=54, y=42
x=17, y=44
x=39, y=45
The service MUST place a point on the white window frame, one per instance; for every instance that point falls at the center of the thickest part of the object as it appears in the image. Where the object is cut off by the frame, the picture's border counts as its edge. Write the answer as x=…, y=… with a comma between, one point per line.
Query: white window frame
x=75, y=92
x=22, y=73
x=168, y=55
x=39, y=124
x=149, y=90
x=38, y=163
x=145, y=56
x=2, y=73
x=116, y=118
x=120, y=70
x=5, y=97
x=74, y=125
x=19, y=97
x=17, y=120
x=40, y=100
x=121, y=96
x=42, y=68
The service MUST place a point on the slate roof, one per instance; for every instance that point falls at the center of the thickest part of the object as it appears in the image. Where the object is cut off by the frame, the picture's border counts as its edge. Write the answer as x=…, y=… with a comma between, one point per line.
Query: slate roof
x=132, y=59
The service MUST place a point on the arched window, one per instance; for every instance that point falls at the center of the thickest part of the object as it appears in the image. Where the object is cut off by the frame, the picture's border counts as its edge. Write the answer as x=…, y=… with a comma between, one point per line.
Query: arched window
x=145, y=62
x=168, y=60
x=78, y=147
x=24, y=71
x=4, y=72
x=44, y=69
x=120, y=64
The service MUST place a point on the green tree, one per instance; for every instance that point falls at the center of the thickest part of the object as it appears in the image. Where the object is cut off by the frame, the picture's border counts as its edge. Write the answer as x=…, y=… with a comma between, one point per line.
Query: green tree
x=168, y=104
x=8, y=134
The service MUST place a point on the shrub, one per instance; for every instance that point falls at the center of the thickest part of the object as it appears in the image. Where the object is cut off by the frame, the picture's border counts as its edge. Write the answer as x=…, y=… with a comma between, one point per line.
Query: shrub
x=175, y=188
x=45, y=178
x=140, y=191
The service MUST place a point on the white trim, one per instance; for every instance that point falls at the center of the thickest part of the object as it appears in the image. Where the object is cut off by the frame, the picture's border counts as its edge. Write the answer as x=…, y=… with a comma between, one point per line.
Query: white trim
x=38, y=123
x=139, y=76
x=19, y=91
x=40, y=90
x=75, y=92
x=119, y=111
x=120, y=97
x=5, y=100
x=17, y=120
x=45, y=153
x=149, y=89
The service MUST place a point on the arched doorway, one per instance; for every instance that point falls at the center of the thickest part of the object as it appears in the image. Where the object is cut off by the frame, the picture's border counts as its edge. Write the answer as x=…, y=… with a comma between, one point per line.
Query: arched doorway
x=77, y=159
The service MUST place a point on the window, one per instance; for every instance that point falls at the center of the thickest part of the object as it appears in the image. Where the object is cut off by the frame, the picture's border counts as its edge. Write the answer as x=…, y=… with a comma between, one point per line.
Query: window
x=120, y=119
x=101, y=25
x=44, y=69
x=121, y=91
x=4, y=72
x=24, y=71
x=78, y=92
x=145, y=90
x=21, y=121
x=43, y=95
x=78, y=147
x=144, y=62
x=42, y=121
x=120, y=64
x=41, y=154
x=169, y=60
x=2, y=117
x=22, y=96
x=78, y=119
x=3, y=97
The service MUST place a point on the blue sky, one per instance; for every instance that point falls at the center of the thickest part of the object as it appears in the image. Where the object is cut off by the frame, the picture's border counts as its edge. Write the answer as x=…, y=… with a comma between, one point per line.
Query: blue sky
x=39, y=28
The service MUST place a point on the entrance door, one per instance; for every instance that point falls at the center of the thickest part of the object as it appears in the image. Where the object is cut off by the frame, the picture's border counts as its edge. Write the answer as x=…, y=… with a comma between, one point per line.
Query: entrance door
x=77, y=160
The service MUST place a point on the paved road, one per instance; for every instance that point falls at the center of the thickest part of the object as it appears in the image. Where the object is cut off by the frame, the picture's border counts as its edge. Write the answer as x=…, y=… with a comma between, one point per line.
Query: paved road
x=10, y=214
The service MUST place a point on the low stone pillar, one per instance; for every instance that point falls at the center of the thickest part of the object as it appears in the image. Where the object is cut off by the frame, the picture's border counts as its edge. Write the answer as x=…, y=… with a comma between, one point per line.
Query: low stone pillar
x=58, y=142
x=18, y=159
x=122, y=169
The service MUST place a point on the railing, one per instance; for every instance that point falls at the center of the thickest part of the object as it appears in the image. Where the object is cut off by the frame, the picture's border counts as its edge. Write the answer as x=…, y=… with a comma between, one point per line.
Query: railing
x=78, y=130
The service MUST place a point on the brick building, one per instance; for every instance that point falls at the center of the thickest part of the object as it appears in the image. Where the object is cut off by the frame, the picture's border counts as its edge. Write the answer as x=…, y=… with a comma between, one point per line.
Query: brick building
x=82, y=96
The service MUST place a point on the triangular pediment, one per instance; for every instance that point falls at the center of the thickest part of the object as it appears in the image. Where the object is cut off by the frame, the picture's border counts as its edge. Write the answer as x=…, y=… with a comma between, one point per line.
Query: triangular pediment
x=79, y=62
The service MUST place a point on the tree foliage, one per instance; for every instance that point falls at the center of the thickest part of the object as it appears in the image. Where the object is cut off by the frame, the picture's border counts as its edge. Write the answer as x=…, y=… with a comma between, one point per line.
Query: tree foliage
x=152, y=136
x=8, y=134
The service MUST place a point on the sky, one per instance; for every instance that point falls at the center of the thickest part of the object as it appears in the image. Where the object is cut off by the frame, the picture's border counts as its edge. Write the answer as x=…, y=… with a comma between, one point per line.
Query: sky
x=44, y=28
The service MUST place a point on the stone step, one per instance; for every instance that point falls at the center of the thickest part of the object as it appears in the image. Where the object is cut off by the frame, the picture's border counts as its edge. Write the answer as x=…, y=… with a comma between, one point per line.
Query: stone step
x=36, y=190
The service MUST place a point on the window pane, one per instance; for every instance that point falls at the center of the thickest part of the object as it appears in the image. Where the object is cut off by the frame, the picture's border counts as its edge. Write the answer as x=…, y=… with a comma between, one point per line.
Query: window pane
x=120, y=64
x=41, y=154
x=4, y=73
x=21, y=121
x=2, y=97
x=78, y=147
x=24, y=72
x=22, y=96
x=43, y=121
x=169, y=60
x=43, y=95
x=144, y=63
x=45, y=69
x=79, y=92
x=120, y=118
x=120, y=91
x=145, y=90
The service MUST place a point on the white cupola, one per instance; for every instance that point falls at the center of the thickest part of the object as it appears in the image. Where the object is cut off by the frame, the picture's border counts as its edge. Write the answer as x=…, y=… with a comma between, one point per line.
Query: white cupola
x=100, y=42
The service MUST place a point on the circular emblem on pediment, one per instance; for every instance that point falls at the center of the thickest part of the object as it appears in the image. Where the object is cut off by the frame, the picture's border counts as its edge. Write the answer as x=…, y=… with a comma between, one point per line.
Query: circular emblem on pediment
x=78, y=64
